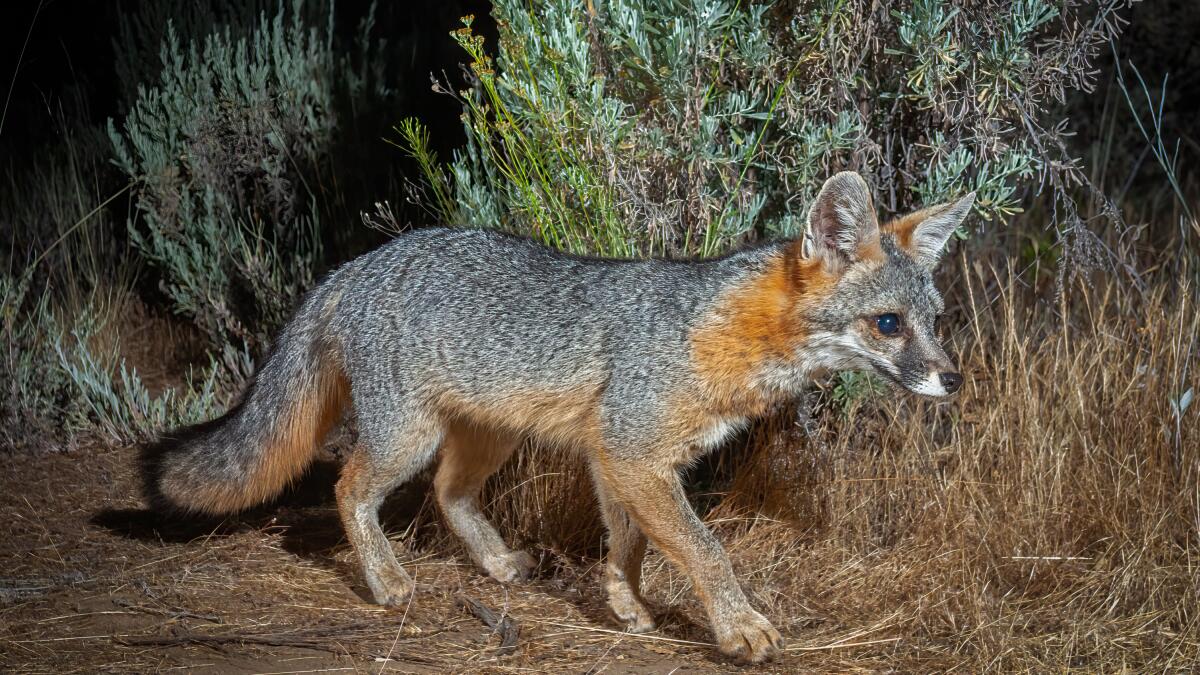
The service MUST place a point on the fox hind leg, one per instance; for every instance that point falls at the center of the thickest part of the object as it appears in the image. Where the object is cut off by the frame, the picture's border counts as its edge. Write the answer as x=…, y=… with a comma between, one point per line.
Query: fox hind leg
x=469, y=455
x=623, y=564
x=374, y=469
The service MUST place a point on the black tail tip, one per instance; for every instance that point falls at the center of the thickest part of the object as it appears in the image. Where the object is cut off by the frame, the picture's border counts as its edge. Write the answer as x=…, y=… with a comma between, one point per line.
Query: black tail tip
x=153, y=463
x=152, y=458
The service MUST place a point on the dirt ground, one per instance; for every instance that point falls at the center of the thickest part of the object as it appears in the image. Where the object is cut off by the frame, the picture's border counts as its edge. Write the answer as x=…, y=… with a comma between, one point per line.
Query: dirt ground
x=90, y=581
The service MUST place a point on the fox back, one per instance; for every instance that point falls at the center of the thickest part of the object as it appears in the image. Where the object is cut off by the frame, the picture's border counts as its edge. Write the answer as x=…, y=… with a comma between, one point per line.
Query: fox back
x=485, y=325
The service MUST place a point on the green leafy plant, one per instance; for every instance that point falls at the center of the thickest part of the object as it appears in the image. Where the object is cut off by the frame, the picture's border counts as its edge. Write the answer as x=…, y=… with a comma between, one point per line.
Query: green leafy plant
x=640, y=127
x=232, y=149
x=851, y=388
x=112, y=398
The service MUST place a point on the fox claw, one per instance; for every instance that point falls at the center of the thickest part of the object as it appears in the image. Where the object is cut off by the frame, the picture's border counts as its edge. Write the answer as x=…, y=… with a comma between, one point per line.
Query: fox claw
x=390, y=587
x=749, y=637
x=510, y=567
x=636, y=617
x=629, y=609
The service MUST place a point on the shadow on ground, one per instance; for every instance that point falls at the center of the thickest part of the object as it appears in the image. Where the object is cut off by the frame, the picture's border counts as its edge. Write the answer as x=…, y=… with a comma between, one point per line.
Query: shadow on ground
x=305, y=512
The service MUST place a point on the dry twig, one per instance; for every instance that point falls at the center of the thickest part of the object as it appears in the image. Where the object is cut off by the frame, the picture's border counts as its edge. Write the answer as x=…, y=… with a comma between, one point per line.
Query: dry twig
x=508, y=629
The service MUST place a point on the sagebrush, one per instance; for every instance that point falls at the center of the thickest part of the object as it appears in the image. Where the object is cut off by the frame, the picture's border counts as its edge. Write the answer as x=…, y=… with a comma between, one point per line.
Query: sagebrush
x=650, y=126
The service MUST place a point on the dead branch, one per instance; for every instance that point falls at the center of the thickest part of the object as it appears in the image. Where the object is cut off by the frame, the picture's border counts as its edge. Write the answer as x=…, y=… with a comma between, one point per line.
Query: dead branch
x=504, y=625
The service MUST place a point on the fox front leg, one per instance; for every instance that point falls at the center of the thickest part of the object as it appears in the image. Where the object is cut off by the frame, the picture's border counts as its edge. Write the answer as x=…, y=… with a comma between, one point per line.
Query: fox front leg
x=623, y=563
x=658, y=504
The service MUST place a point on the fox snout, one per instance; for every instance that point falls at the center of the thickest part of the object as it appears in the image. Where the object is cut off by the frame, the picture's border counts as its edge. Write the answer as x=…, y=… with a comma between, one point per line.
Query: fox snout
x=950, y=381
x=936, y=384
x=923, y=367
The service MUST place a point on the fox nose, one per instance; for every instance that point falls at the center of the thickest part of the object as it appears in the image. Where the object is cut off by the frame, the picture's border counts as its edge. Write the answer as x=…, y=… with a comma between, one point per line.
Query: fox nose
x=950, y=381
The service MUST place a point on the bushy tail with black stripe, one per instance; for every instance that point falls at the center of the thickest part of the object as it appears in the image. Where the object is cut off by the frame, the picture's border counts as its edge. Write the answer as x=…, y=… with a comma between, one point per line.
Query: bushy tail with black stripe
x=251, y=453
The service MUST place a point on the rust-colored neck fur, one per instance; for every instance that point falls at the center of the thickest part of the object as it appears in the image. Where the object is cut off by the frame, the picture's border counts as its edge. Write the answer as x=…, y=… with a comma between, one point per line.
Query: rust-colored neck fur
x=756, y=324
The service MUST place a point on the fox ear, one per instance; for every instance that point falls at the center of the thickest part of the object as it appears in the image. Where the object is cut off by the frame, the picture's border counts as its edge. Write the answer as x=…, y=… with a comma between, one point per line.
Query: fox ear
x=841, y=223
x=923, y=234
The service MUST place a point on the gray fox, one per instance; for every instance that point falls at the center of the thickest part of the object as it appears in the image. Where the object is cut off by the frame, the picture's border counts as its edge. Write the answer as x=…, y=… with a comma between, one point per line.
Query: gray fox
x=456, y=344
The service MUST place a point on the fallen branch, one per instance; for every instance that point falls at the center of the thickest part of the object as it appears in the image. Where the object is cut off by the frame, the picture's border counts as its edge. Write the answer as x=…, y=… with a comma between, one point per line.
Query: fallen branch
x=508, y=629
x=839, y=644
x=323, y=638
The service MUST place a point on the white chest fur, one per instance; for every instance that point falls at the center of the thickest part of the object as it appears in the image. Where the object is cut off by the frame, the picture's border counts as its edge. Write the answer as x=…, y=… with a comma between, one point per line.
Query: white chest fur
x=718, y=430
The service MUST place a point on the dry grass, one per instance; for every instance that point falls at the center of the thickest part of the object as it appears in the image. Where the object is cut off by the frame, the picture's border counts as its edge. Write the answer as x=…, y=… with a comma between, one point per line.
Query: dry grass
x=1047, y=519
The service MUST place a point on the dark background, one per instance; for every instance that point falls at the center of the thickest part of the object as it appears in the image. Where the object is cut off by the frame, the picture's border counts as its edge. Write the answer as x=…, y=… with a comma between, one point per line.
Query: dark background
x=71, y=44
x=71, y=47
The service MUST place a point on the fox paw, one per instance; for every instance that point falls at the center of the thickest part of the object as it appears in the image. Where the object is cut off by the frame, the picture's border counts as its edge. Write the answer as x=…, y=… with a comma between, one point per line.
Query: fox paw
x=509, y=567
x=630, y=611
x=748, y=636
x=390, y=586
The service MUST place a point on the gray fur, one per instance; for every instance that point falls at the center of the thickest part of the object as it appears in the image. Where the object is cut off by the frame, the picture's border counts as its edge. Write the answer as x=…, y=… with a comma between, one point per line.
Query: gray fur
x=480, y=314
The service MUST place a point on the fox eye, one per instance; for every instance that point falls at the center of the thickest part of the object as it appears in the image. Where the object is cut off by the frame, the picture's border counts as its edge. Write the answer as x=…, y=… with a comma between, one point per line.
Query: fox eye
x=888, y=324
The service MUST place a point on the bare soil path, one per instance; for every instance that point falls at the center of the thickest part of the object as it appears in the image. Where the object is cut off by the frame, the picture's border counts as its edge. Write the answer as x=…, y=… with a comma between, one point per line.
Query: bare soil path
x=91, y=582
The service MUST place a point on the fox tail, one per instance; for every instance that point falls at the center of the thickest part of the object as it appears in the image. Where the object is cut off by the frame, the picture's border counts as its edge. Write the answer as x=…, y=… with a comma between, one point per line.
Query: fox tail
x=251, y=453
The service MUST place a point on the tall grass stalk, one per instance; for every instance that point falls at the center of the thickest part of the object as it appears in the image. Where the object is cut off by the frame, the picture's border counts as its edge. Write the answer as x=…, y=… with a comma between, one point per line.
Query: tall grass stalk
x=1152, y=130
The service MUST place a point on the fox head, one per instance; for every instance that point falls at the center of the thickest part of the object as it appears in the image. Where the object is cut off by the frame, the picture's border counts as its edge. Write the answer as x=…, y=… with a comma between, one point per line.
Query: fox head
x=879, y=308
